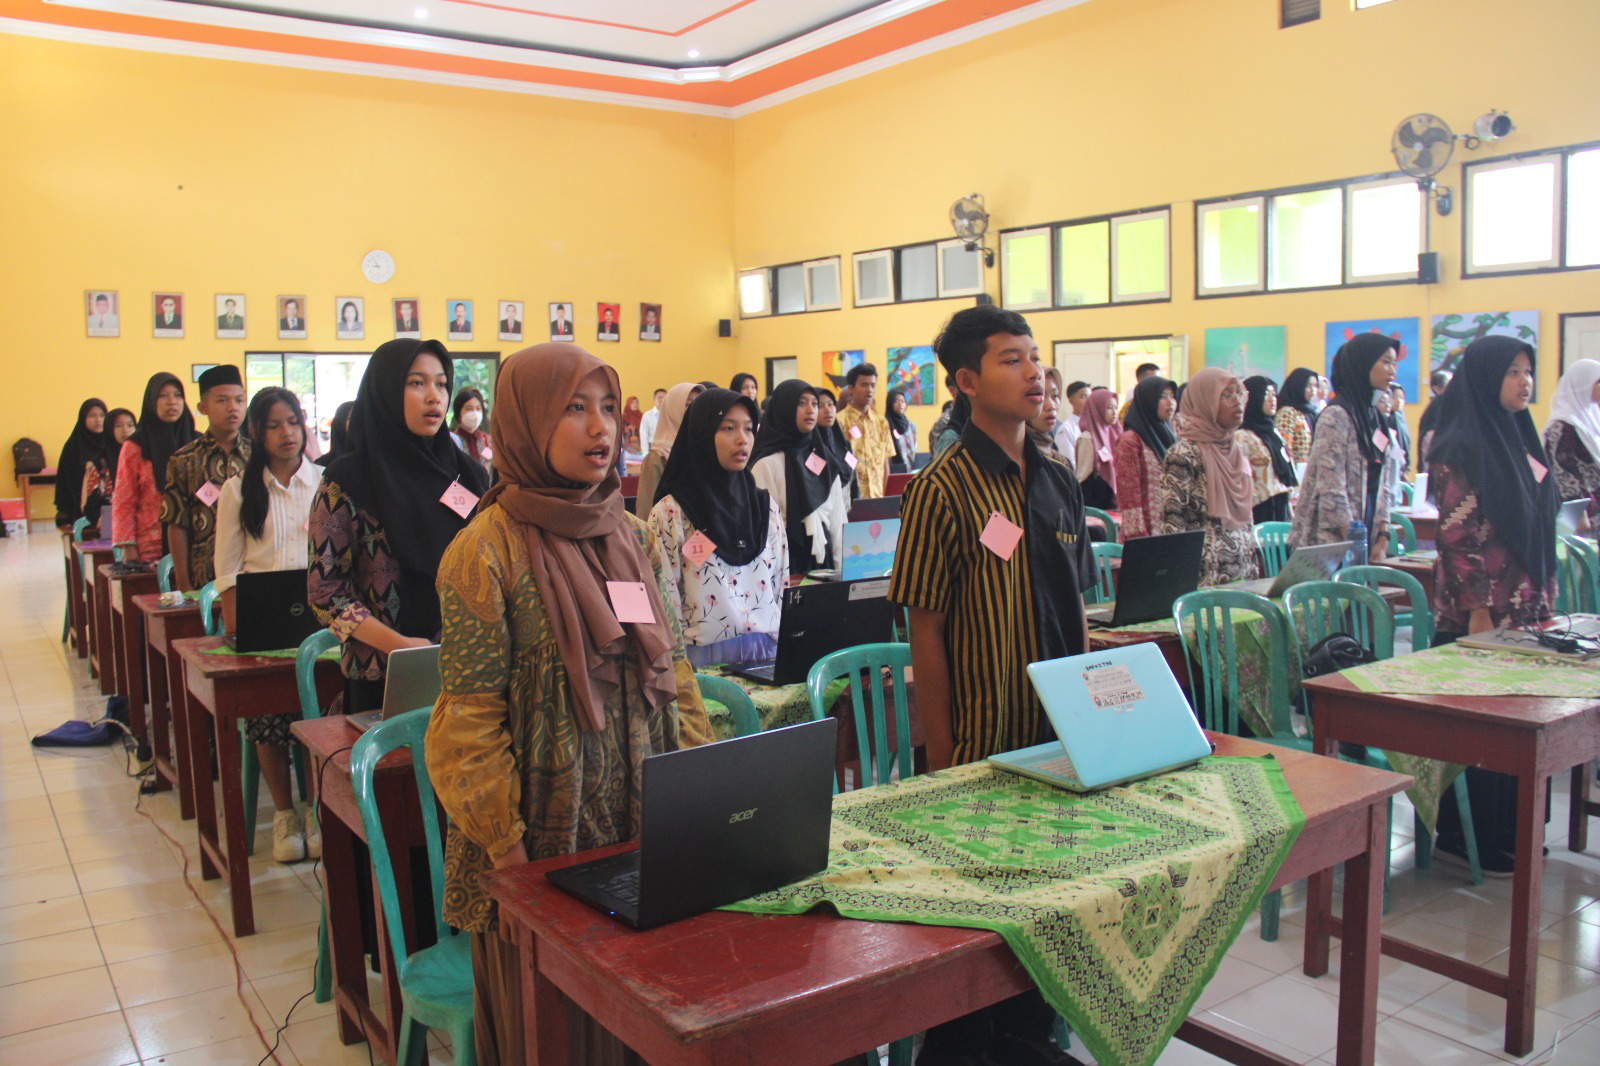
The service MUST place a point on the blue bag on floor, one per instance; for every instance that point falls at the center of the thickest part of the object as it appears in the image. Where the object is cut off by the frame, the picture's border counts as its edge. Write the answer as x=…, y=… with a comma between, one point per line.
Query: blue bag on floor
x=76, y=734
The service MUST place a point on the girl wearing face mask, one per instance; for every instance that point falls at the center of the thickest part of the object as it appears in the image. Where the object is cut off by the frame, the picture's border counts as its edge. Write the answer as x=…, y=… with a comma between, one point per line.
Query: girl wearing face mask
x=1141, y=451
x=165, y=425
x=467, y=429
x=1205, y=479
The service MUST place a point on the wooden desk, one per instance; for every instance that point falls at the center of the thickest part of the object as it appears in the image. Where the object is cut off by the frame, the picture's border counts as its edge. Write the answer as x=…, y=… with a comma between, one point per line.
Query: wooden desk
x=728, y=987
x=1529, y=737
x=28, y=482
x=127, y=642
x=1426, y=526
x=164, y=669
x=77, y=608
x=1421, y=569
x=328, y=741
x=219, y=691
x=97, y=610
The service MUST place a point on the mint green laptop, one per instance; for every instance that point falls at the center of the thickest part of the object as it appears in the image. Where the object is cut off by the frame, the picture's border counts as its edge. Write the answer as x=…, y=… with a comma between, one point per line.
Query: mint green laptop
x=1119, y=716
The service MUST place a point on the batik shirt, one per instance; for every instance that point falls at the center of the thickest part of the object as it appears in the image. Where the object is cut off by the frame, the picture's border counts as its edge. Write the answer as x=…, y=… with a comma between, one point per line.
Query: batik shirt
x=1228, y=554
x=1577, y=472
x=200, y=462
x=1138, y=486
x=871, y=441
x=1475, y=568
x=353, y=576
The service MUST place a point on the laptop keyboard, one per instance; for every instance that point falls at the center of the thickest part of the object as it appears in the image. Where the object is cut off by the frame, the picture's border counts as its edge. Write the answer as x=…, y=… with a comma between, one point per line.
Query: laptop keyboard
x=624, y=886
x=1060, y=766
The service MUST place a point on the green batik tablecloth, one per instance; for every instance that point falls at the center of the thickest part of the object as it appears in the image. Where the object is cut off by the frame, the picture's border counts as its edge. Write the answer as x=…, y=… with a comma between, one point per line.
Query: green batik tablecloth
x=331, y=655
x=776, y=705
x=1120, y=904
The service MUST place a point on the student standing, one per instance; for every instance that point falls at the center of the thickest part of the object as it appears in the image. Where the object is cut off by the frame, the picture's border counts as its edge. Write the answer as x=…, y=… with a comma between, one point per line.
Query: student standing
x=1205, y=480
x=1347, y=479
x=1437, y=383
x=165, y=425
x=380, y=520
x=747, y=386
x=725, y=550
x=1140, y=452
x=902, y=434
x=1095, y=451
x=100, y=471
x=1572, y=436
x=262, y=516
x=830, y=436
x=799, y=471
x=1401, y=428
x=960, y=415
x=338, y=434
x=651, y=419
x=1071, y=425
x=195, y=475
x=867, y=430
x=673, y=409
x=85, y=443
x=466, y=428
x=1296, y=418
x=1042, y=427
x=1271, y=472
x=550, y=704
x=1497, y=546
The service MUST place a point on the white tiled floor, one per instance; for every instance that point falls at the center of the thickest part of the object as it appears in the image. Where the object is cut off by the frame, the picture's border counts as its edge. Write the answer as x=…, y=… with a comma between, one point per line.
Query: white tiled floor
x=107, y=958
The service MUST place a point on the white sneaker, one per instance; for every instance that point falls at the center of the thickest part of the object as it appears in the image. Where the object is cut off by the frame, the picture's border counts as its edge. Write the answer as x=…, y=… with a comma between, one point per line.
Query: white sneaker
x=313, y=837
x=288, y=837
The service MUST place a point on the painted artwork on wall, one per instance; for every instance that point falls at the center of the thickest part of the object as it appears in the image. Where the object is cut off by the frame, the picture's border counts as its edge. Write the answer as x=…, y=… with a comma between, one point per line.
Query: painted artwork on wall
x=835, y=365
x=912, y=370
x=1452, y=333
x=1404, y=330
x=1249, y=350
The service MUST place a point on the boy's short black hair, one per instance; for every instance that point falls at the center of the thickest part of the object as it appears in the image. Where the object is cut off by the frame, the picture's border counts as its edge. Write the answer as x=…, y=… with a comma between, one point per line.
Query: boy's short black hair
x=965, y=337
x=1072, y=390
x=1142, y=367
x=860, y=370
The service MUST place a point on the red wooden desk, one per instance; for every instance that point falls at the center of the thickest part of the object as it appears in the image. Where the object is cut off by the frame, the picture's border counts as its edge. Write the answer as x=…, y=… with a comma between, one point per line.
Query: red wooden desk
x=1421, y=569
x=328, y=740
x=1529, y=737
x=127, y=642
x=96, y=612
x=164, y=668
x=220, y=690
x=27, y=482
x=77, y=610
x=725, y=987
x=1426, y=526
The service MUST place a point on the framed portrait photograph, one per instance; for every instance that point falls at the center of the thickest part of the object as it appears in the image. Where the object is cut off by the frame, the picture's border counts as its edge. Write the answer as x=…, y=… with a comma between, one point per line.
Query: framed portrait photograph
x=100, y=313
x=350, y=318
x=511, y=320
x=292, y=318
x=166, y=308
x=649, y=322
x=608, y=322
x=406, y=323
x=459, y=315
x=230, y=315
x=561, y=322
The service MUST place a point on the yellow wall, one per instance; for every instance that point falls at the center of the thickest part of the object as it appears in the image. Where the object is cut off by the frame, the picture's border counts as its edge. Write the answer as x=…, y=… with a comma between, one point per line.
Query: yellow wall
x=1114, y=106
x=289, y=177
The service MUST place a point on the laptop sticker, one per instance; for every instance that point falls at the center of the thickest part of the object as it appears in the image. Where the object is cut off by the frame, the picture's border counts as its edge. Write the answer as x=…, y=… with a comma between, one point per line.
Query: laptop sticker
x=631, y=602
x=1000, y=535
x=1111, y=687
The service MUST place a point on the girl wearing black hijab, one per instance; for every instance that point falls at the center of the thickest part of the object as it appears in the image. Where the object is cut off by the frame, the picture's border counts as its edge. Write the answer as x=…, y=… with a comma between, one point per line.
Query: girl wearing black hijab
x=830, y=435
x=338, y=434
x=84, y=444
x=803, y=476
x=1489, y=474
x=727, y=553
x=1347, y=479
x=1139, y=453
x=100, y=469
x=1271, y=471
x=1296, y=418
x=747, y=386
x=165, y=425
x=385, y=513
x=902, y=434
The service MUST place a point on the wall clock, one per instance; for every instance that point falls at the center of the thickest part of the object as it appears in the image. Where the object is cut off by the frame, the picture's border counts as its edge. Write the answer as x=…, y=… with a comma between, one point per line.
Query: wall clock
x=377, y=266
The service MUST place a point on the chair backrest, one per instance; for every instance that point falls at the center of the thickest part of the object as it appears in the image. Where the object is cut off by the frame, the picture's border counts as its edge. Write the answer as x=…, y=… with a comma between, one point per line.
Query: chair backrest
x=1113, y=533
x=1403, y=535
x=1273, y=540
x=1375, y=577
x=1319, y=609
x=403, y=730
x=746, y=722
x=305, y=670
x=1206, y=620
x=1578, y=580
x=208, y=613
x=1105, y=586
x=77, y=529
x=1408, y=493
x=872, y=747
x=164, y=574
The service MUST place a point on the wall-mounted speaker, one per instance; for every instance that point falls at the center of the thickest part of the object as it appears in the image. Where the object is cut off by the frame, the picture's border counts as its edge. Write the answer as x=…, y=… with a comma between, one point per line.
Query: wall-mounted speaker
x=1427, y=268
x=724, y=327
x=984, y=299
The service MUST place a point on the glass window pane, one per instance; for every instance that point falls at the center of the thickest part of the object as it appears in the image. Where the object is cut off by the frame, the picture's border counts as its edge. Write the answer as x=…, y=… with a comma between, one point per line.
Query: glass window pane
x=1385, y=230
x=791, y=289
x=962, y=270
x=823, y=279
x=1025, y=261
x=1230, y=239
x=1583, y=208
x=919, y=279
x=262, y=370
x=1307, y=239
x=1512, y=213
x=872, y=279
x=1142, y=257
x=753, y=293
x=1084, y=255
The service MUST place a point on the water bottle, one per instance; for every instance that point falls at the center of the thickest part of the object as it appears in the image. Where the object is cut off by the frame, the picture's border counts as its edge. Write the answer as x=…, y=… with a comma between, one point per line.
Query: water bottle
x=1357, y=536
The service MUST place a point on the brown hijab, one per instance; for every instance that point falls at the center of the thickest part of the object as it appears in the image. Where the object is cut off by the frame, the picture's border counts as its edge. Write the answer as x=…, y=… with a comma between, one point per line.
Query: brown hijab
x=578, y=537
x=1226, y=462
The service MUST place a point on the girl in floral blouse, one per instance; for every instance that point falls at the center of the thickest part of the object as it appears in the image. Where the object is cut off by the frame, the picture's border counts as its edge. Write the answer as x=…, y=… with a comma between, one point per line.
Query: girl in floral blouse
x=1205, y=480
x=1141, y=451
x=1296, y=416
x=1572, y=436
x=1271, y=471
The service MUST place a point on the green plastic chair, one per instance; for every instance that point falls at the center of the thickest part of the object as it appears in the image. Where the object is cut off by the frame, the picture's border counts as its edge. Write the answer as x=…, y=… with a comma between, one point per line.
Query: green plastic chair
x=1113, y=533
x=305, y=662
x=1105, y=585
x=435, y=982
x=210, y=613
x=1272, y=538
x=1408, y=493
x=77, y=530
x=876, y=766
x=746, y=722
x=1419, y=618
x=164, y=574
x=1578, y=576
x=1402, y=535
x=249, y=762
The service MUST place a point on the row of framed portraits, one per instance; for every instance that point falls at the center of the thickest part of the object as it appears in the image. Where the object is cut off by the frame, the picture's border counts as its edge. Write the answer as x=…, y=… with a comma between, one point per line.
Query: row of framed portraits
x=103, y=317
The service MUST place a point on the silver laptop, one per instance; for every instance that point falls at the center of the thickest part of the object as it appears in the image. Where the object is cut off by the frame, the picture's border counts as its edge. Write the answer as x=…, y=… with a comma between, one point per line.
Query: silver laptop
x=1574, y=637
x=1315, y=562
x=1570, y=517
x=411, y=681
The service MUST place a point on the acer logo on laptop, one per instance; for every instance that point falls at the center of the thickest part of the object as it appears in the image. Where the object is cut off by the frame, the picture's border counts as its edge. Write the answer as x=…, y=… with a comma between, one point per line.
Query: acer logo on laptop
x=742, y=816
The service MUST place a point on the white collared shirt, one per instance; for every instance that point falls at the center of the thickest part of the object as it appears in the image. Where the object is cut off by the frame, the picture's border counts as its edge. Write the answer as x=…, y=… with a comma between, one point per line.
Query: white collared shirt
x=284, y=537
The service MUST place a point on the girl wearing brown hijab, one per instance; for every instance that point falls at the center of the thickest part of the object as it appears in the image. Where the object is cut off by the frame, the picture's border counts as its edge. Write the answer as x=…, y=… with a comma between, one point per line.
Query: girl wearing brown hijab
x=558, y=683
x=1205, y=478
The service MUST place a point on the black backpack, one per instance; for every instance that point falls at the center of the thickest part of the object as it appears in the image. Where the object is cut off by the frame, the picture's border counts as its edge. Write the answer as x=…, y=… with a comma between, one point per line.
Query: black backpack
x=27, y=456
x=1335, y=652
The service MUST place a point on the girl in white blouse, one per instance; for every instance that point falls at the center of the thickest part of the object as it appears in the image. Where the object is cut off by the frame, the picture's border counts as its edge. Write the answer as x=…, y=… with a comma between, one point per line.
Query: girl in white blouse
x=262, y=516
x=807, y=480
x=727, y=553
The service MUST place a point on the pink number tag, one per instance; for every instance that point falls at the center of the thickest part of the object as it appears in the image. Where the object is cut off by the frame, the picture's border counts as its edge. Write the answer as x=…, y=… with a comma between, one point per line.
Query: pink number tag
x=1380, y=440
x=631, y=602
x=697, y=549
x=1539, y=469
x=1104, y=454
x=207, y=493
x=488, y=452
x=1000, y=535
x=850, y=458
x=855, y=432
x=816, y=463
x=459, y=499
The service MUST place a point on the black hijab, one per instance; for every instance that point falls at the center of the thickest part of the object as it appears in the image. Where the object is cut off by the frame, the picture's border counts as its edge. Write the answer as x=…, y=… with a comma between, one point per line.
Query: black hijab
x=390, y=472
x=81, y=449
x=806, y=491
x=1257, y=421
x=831, y=437
x=1352, y=387
x=724, y=505
x=1144, y=415
x=157, y=440
x=1293, y=394
x=1490, y=447
x=338, y=434
x=898, y=422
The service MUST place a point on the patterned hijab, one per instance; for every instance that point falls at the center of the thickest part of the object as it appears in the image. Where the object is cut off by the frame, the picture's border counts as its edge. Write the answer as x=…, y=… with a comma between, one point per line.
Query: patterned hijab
x=1227, y=465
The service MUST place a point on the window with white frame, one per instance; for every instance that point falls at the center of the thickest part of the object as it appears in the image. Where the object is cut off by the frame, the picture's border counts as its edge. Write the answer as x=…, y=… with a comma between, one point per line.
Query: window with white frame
x=960, y=269
x=822, y=284
x=919, y=272
x=755, y=293
x=874, y=273
x=1305, y=239
x=1141, y=256
x=1511, y=215
x=790, y=285
x=1088, y=262
x=1583, y=208
x=1229, y=246
x=1025, y=269
x=1386, y=231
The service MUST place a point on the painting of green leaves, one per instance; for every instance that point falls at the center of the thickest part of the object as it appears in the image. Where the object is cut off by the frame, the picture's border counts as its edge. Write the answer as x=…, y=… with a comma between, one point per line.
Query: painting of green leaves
x=1452, y=333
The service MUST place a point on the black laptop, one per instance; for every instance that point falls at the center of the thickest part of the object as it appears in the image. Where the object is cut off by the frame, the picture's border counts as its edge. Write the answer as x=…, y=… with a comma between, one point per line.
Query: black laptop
x=1155, y=571
x=818, y=620
x=271, y=612
x=720, y=823
x=875, y=508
